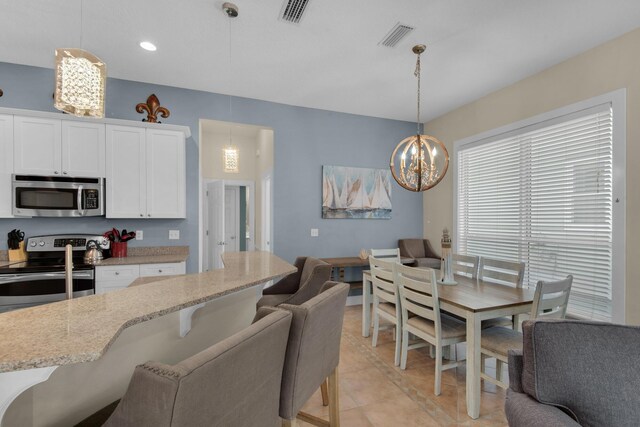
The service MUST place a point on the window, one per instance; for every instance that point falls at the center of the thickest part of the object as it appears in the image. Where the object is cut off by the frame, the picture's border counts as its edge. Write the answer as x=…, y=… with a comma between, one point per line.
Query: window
x=542, y=192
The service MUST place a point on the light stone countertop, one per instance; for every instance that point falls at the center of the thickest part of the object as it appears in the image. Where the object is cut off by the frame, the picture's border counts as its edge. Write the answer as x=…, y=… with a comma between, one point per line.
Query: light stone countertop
x=82, y=329
x=142, y=259
x=149, y=255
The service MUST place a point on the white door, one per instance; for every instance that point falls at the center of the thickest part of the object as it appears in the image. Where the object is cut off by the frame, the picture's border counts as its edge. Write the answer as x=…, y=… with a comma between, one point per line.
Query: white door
x=37, y=146
x=83, y=149
x=126, y=172
x=166, y=174
x=6, y=164
x=266, y=214
x=215, y=224
x=231, y=219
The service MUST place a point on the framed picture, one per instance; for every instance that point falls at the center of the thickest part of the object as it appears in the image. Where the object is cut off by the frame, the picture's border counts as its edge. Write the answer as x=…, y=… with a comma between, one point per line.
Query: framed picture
x=356, y=193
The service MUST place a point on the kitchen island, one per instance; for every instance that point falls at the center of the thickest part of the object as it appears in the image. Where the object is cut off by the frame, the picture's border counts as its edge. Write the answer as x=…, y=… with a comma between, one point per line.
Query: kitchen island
x=81, y=353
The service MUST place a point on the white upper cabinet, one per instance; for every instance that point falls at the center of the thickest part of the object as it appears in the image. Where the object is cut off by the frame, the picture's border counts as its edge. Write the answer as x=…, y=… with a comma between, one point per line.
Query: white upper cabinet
x=58, y=147
x=6, y=164
x=37, y=146
x=166, y=176
x=144, y=164
x=145, y=173
x=126, y=172
x=83, y=149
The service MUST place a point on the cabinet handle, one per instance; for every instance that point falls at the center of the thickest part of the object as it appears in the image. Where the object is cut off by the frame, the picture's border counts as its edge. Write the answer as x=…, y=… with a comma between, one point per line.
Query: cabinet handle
x=55, y=172
x=141, y=215
x=149, y=215
x=65, y=172
x=117, y=273
x=159, y=271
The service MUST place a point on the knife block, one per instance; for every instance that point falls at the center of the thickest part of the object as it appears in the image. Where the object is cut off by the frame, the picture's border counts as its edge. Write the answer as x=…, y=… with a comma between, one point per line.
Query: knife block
x=18, y=254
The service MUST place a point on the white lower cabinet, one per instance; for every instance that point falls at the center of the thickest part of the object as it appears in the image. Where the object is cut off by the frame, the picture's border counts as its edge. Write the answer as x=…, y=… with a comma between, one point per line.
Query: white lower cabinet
x=165, y=269
x=115, y=277
x=112, y=278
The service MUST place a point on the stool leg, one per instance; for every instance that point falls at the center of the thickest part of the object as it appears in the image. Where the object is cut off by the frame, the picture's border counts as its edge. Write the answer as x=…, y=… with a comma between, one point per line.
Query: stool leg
x=334, y=399
x=325, y=393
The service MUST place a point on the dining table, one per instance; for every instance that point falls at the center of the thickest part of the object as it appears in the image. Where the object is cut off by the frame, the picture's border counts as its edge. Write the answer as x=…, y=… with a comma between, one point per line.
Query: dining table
x=474, y=300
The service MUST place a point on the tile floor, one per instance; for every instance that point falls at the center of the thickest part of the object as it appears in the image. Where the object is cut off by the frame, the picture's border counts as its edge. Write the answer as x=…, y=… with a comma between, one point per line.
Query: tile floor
x=374, y=392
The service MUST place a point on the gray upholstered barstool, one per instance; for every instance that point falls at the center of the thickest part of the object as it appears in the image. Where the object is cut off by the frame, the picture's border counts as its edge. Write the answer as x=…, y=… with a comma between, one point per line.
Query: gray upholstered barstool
x=313, y=353
x=236, y=383
x=300, y=286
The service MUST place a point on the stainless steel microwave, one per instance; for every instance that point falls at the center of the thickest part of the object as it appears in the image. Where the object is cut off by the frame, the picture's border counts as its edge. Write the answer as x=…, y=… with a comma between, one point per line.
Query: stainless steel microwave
x=54, y=196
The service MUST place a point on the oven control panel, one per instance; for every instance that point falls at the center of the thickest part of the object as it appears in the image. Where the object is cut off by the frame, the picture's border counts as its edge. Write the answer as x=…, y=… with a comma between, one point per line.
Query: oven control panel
x=58, y=242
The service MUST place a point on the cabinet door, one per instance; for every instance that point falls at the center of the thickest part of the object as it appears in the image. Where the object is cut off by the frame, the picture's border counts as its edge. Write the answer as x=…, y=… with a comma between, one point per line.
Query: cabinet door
x=83, y=149
x=6, y=164
x=166, y=191
x=37, y=146
x=126, y=172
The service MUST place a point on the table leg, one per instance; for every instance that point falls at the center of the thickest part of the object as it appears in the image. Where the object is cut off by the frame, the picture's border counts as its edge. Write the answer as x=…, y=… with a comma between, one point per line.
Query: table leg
x=366, y=305
x=473, y=366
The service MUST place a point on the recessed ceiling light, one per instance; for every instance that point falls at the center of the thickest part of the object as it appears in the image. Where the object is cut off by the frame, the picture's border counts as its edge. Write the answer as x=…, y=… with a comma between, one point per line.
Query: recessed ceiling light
x=148, y=46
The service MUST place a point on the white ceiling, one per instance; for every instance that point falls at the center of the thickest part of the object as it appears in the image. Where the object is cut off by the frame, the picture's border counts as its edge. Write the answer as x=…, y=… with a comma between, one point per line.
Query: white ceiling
x=332, y=59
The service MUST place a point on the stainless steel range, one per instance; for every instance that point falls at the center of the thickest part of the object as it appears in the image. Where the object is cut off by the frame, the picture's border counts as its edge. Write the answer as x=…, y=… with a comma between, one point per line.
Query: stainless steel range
x=40, y=279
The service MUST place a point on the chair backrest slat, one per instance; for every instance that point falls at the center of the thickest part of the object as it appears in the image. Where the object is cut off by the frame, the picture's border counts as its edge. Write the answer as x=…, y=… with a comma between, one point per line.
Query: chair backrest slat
x=551, y=299
x=423, y=310
x=418, y=292
x=382, y=279
x=387, y=254
x=465, y=265
x=501, y=272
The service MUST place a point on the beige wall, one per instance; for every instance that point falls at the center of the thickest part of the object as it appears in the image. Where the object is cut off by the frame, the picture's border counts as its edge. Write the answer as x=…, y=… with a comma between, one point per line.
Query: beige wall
x=611, y=66
x=212, y=160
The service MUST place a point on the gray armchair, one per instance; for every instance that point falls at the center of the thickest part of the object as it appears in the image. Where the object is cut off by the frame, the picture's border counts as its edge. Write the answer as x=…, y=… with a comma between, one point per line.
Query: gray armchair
x=299, y=287
x=574, y=373
x=421, y=251
x=233, y=383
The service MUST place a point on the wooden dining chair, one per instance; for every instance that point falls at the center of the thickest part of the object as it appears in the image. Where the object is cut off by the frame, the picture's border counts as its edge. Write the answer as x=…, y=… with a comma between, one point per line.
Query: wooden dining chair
x=550, y=301
x=421, y=317
x=386, y=302
x=386, y=254
x=465, y=265
x=501, y=272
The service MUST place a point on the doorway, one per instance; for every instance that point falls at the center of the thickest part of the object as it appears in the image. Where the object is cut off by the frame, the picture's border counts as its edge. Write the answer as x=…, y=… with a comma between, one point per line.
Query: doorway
x=236, y=205
x=229, y=220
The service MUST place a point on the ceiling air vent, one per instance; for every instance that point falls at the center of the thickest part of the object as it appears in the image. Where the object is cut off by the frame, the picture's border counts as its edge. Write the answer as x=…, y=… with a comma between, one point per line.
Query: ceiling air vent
x=396, y=34
x=292, y=10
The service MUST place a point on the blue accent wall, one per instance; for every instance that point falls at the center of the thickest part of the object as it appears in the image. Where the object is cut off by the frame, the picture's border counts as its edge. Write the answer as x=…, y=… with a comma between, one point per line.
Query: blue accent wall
x=304, y=140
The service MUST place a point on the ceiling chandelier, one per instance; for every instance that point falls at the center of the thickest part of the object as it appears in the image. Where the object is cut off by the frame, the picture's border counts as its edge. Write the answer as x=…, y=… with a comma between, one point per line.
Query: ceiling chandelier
x=419, y=162
x=80, y=81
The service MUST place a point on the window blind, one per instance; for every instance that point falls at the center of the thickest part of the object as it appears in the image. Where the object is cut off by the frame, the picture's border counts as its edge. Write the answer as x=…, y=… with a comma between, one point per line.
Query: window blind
x=543, y=195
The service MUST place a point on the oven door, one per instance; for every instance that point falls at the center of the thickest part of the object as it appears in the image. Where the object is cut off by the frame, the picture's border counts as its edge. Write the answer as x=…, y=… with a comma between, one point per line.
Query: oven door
x=43, y=196
x=28, y=289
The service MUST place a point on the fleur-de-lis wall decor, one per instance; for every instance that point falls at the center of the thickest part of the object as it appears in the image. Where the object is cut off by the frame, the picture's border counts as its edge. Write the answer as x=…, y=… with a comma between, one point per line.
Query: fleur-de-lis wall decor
x=153, y=109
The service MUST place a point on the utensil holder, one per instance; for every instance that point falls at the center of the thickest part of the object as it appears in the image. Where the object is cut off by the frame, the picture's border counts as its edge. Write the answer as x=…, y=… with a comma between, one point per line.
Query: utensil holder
x=18, y=254
x=119, y=249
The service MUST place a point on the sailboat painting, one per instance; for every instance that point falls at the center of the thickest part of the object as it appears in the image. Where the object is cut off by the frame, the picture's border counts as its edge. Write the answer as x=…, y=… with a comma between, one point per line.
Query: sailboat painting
x=357, y=193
